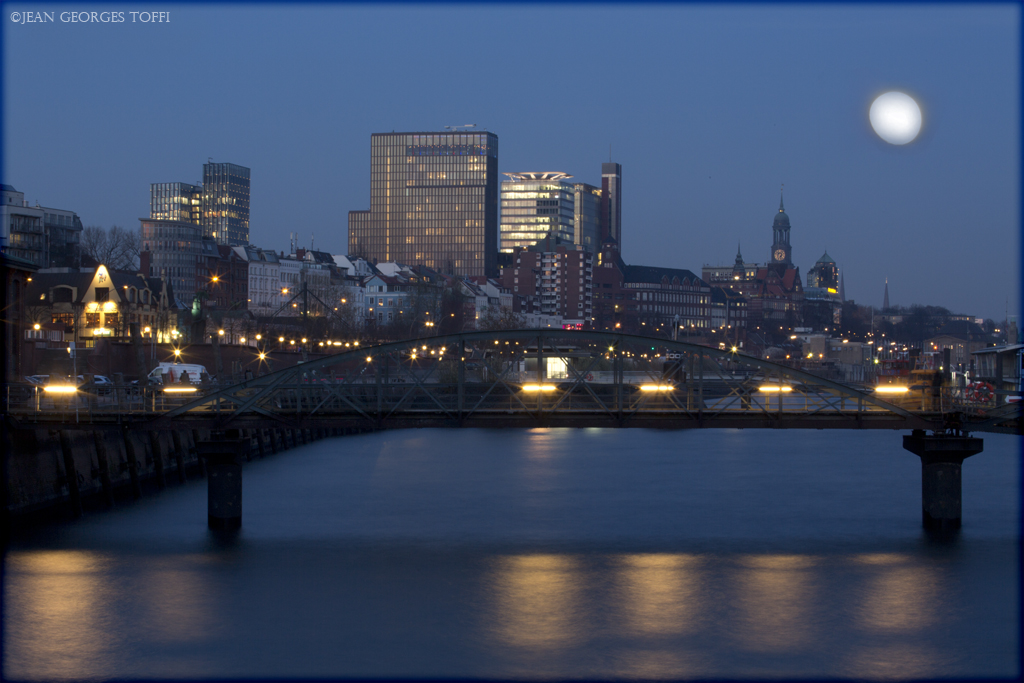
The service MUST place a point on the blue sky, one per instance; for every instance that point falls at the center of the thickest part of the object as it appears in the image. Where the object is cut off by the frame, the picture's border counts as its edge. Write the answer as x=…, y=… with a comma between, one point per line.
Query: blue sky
x=709, y=109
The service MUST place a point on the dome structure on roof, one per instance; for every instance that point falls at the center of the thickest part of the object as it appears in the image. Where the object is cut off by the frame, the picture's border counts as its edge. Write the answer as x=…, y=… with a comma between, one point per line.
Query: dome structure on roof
x=781, y=219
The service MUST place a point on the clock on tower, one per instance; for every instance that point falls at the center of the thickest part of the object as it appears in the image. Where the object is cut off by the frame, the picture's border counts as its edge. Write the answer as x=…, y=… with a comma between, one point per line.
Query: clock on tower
x=780, y=255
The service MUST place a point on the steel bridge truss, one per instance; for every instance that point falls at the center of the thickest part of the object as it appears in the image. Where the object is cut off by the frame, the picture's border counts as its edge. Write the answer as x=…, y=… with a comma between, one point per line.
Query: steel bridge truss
x=556, y=378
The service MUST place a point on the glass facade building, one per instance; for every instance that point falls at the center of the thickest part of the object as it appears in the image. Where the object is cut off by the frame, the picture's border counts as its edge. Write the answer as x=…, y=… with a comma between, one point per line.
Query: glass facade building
x=175, y=248
x=226, y=203
x=433, y=202
x=587, y=217
x=176, y=202
x=535, y=205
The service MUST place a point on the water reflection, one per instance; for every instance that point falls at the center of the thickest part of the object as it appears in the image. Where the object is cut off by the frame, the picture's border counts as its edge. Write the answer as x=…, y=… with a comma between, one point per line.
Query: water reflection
x=898, y=597
x=536, y=600
x=659, y=593
x=539, y=470
x=898, y=661
x=178, y=602
x=775, y=601
x=654, y=664
x=62, y=606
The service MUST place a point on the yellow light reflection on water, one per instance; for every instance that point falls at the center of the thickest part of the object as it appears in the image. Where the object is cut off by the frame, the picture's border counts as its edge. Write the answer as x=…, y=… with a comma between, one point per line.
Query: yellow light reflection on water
x=178, y=604
x=899, y=598
x=776, y=596
x=895, y=661
x=659, y=593
x=56, y=622
x=536, y=598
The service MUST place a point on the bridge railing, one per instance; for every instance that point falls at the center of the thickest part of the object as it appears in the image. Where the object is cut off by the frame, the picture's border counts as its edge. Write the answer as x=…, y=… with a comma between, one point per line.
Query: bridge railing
x=541, y=373
x=533, y=373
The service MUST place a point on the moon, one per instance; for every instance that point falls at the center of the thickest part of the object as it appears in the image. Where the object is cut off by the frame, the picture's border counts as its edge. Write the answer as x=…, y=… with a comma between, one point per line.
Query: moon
x=896, y=117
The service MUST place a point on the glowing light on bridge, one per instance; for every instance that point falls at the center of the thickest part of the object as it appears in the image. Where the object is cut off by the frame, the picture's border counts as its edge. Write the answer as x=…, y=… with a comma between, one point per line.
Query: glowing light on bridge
x=891, y=389
x=539, y=387
x=180, y=390
x=771, y=387
x=656, y=387
x=60, y=389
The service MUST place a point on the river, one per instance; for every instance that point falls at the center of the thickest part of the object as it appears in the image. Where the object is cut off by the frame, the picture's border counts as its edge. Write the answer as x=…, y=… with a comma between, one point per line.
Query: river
x=592, y=553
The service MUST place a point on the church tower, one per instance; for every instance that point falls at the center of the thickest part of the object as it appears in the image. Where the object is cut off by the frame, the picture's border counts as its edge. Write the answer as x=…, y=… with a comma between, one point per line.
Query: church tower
x=782, y=253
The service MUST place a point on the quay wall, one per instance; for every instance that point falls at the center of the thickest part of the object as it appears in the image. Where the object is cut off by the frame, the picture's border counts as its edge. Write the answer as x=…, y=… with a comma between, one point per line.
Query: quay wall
x=59, y=474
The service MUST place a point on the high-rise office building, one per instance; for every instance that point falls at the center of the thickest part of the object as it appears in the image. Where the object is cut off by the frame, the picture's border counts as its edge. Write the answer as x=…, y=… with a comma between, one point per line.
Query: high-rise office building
x=587, y=217
x=611, y=202
x=226, y=203
x=433, y=202
x=176, y=202
x=171, y=250
x=535, y=205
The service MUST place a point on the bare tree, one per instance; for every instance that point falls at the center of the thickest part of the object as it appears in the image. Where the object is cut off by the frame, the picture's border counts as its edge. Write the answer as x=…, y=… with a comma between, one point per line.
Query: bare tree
x=115, y=248
x=501, y=318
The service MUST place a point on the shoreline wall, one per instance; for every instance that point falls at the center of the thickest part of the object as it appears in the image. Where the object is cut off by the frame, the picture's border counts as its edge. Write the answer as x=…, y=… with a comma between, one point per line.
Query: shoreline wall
x=59, y=474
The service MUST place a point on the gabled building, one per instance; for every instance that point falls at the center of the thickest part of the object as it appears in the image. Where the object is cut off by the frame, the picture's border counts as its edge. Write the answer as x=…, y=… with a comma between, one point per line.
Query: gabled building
x=102, y=303
x=264, y=275
x=385, y=298
x=728, y=309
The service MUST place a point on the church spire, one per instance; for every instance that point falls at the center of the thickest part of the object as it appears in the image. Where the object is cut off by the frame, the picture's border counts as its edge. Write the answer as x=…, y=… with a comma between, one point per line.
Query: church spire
x=782, y=208
x=885, y=299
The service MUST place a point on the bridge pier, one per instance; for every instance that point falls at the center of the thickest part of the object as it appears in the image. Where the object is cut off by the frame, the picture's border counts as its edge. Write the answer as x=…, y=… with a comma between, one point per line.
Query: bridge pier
x=224, y=453
x=260, y=434
x=132, y=461
x=103, y=463
x=942, y=458
x=179, y=456
x=70, y=472
x=158, y=459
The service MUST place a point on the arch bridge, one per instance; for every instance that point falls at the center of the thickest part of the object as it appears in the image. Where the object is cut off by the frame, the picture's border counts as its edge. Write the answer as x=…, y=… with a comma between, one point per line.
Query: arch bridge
x=560, y=378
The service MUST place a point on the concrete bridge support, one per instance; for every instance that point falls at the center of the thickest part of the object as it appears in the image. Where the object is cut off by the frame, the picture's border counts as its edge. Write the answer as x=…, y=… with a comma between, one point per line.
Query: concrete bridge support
x=942, y=457
x=133, y=463
x=224, y=454
x=158, y=459
x=261, y=435
x=103, y=464
x=179, y=456
x=70, y=472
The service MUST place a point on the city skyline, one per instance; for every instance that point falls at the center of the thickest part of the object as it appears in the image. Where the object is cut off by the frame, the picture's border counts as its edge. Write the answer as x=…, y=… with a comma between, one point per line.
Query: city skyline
x=709, y=115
